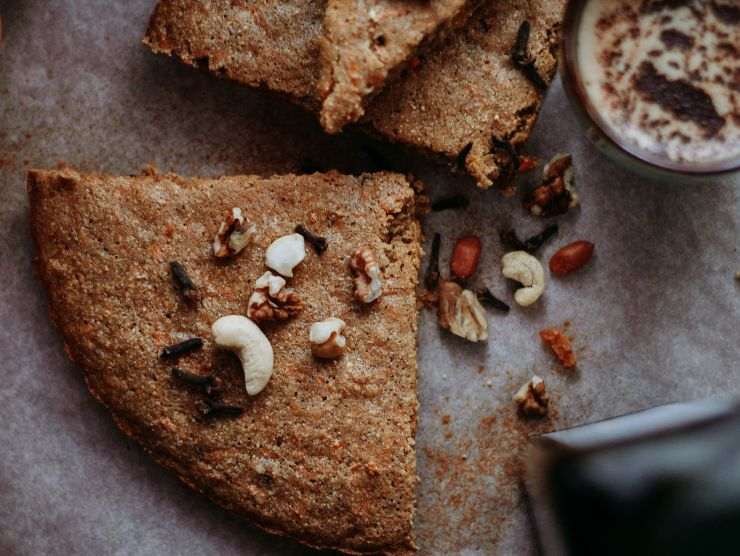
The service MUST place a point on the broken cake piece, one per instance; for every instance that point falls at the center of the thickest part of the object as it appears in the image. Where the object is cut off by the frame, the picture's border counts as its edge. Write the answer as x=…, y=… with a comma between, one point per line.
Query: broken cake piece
x=366, y=43
x=322, y=451
x=469, y=101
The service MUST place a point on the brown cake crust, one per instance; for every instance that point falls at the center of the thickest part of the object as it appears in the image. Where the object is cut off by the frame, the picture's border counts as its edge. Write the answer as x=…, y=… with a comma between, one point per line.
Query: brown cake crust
x=325, y=454
x=464, y=92
x=260, y=43
x=367, y=42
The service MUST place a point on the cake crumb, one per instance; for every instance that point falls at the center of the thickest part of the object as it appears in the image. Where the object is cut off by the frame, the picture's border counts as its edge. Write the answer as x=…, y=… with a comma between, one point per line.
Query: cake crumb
x=560, y=345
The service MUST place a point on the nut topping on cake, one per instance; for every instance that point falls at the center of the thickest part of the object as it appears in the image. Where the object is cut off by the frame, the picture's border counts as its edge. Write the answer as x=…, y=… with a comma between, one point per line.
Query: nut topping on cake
x=326, y=338
x=233, y=235
x=285, y=253
x=271, y=300
x=366, y=270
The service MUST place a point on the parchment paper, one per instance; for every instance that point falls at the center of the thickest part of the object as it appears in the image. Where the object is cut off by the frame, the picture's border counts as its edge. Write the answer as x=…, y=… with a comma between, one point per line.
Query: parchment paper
x=654, y=317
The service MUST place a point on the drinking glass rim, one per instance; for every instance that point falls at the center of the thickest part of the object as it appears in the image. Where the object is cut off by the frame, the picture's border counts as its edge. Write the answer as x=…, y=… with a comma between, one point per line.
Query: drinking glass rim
x=573, y=84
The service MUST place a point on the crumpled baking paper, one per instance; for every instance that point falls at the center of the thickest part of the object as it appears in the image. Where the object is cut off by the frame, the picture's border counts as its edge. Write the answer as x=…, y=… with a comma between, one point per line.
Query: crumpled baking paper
x=654, y=317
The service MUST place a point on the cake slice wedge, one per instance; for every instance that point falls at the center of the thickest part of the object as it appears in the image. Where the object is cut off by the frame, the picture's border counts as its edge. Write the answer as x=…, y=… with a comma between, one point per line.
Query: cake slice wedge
x=367, y=42
x=467, y=103
x=464, y=102
x=325, y=453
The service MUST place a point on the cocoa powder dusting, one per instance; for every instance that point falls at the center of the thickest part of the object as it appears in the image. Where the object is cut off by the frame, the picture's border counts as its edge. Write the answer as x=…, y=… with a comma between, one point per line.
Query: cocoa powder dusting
x=680, y=97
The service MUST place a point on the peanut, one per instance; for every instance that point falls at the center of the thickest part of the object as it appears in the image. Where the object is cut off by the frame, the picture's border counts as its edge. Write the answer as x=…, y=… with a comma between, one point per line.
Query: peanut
x=571, y=257
x=465, y=257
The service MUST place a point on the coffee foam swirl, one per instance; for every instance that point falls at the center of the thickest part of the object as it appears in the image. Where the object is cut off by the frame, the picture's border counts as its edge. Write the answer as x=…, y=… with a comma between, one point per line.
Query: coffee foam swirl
x=664, y=75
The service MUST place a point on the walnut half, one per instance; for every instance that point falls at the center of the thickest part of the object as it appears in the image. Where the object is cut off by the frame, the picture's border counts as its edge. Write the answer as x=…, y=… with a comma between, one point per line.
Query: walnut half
x=366, y=270
x=461, y=313
x=557, y=194
x=271, y=300
x=532, y=398
x=233, y=235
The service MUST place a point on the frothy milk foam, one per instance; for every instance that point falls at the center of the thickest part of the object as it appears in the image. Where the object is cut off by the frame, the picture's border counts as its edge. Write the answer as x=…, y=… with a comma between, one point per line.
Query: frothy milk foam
x=664, y=75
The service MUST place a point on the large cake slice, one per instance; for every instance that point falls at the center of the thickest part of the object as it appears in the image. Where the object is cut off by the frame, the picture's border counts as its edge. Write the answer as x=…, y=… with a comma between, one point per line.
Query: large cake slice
x=325, y=452
x=465, y=101
x=366, y=42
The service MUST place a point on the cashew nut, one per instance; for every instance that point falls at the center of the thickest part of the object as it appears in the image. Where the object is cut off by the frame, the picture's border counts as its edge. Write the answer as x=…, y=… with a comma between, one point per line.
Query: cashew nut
x=524, y=268
x=285, y=253
x=326, y=338
x=240, y=335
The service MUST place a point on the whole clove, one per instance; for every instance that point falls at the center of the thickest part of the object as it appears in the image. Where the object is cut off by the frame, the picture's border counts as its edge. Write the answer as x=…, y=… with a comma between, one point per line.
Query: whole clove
x=213, y=408
x=317, y=242
x=453, y=202
x=181, y=348
x=209, y=384
x=183, y=283
x=510, y=169
x=463, y=155
x=486, y=297
x=536, y=241
x=510, y=239
x=431, y=276
x=521, y=59
x=192, y=378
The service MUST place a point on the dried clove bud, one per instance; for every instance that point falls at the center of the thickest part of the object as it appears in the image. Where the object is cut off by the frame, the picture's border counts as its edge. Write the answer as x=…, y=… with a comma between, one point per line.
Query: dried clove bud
x=521, y=59
x=181, y=348
x=211, y=408
x=431, y=276
x=485, y=296
x=511, y=241
x=536, y=241
x=462, y=156
x=450, y=203
x=317, y=242
x=183, y=283
x=510, y=163
x=192, y=378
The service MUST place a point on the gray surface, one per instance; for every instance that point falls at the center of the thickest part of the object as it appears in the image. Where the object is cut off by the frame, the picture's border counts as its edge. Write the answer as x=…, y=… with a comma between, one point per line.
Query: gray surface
x=655, y=317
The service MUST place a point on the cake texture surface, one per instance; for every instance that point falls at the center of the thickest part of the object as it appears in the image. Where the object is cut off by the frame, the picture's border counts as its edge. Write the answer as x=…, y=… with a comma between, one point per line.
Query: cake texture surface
x=367, y=42
x=325, y=453
x=463, y=101
x=273, y=45
x=467, y=102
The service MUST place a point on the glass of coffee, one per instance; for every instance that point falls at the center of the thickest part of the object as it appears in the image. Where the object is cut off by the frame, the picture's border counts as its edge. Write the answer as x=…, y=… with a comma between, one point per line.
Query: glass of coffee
x=657, y=82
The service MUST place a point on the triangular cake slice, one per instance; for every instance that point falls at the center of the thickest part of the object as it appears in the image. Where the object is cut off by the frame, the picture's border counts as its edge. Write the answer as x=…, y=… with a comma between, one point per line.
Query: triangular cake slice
x=366, y=42
x=464, y=101
x=325, y=453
